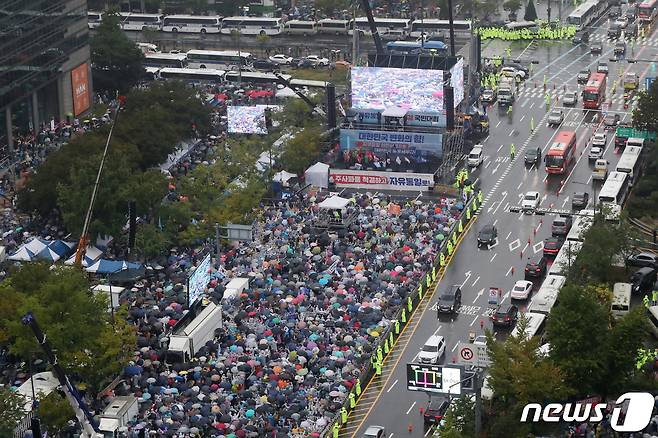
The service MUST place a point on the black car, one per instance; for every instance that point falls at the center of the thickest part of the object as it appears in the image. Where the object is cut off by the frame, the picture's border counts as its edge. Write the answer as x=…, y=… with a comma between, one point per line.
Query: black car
x=583, y=76
x=265, y=65
x=536, y=267
x=450, y=301
x=487, y=235
x=435, y=410
x=518, y=66
x=611, y=120
x=643, y=259
x=620, y=48
x=581, y=36
x=596, y=48
x=306, y=63
x=579, y=200
x=533, y=156
x=643, y=280
x=505, y=315
x=552, y=246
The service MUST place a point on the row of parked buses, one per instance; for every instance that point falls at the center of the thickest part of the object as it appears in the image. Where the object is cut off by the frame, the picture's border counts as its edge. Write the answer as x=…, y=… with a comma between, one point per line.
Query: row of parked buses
x=591, y=10
x=276, y=26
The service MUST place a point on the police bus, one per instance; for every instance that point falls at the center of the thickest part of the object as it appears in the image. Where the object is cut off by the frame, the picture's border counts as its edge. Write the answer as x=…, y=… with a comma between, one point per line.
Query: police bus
x=218, y=58
x=300, y=27
x=585, y=14
x=131, y=21
x=630, y=163
x=334, y=27
x=159, y=59
x=254, y=77
x=383, y=25
x=205, y=75
x=430, y=26
x=191, y=24
x=252, y=26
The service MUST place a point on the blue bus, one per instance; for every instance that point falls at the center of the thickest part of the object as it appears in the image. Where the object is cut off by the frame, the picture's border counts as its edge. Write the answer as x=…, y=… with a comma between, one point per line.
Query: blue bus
x=416, y=47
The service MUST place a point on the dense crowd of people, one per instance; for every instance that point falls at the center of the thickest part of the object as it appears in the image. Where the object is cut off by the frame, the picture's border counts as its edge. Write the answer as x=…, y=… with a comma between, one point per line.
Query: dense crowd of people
x=292, y=344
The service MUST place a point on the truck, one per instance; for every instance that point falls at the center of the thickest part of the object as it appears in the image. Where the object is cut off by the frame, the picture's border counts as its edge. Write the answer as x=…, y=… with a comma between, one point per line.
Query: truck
x=506, y=91
x=119, y=413
x=185, y=343
x=600, y=171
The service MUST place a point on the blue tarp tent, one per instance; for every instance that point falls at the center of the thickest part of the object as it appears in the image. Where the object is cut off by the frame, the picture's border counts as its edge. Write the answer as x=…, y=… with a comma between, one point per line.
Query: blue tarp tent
x=61, y=247
x=103, y=266
x=47, y=254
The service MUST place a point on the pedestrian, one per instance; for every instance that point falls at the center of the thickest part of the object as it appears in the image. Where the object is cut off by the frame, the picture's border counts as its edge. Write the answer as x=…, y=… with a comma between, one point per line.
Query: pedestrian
x=654, y=297
x=512, y=151
x=645, y=301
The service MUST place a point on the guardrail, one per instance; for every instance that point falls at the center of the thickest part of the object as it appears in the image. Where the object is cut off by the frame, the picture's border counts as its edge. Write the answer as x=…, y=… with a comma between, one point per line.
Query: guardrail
x=389, y=338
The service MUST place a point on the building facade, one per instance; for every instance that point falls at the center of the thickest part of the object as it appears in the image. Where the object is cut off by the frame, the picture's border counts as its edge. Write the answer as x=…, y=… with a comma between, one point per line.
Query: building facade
x=45, y=69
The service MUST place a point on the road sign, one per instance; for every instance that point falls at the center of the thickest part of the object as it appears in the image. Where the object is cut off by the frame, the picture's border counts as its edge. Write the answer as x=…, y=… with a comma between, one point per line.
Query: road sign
x=635, y=133
x=648, y=81
x=473, y=355
x=434, y=378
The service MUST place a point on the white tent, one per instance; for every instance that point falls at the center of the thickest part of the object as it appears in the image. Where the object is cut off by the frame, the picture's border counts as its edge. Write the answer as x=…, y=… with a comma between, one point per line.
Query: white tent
x=317, y=175
x=91, y=255
x=36, y=245
x=22, y=255
x=283, y=177
x=286, y=92
x=334, y=203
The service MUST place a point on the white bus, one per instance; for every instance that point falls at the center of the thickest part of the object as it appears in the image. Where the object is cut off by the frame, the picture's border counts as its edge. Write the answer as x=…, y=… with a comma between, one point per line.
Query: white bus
x=565, y=258
x=151, y=73
x=518, y=25
x=300, y=27
x=383, y=25
x=94, y=19
x=252, y=26
x=535, y=324
x=192, y=74
x=585, y=14
x=217, y=58
x=614, y=190
x=630, y=163
x=308, y=83
x=130, y=21
x=159, y=59
x=621, y=299
x=254, y=77
x=431, y=26
x=191, y=24
x=335, y=27
x=547, y=295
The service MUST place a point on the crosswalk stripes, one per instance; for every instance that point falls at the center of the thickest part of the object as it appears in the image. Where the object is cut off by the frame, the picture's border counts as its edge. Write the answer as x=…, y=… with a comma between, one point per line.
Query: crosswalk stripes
x=643, y=41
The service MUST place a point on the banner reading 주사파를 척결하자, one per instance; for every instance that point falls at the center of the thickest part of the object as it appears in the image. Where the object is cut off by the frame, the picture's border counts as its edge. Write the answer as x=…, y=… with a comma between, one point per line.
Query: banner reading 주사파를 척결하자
x=367, y=179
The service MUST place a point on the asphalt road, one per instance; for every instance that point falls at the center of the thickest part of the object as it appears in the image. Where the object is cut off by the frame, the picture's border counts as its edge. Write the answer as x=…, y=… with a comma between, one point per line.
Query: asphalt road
x=504, y=182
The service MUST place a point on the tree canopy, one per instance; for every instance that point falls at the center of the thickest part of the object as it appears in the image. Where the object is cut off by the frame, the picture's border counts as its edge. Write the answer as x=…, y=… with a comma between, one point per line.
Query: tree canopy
x=116, y=60
x=512, y=5
x=11, y=410
x=645, y=114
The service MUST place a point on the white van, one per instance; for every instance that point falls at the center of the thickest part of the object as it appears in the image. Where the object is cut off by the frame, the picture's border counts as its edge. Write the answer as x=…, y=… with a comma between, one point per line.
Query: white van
x=475, y=156
x=433, y=350
x=621, y=299
x=535, y=324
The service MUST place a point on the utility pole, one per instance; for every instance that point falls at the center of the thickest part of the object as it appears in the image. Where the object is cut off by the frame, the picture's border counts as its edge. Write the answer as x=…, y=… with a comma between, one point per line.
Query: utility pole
x=355, y=38
x=477, y=386
x=559, y=10
x=548, y=10
x=452, y=28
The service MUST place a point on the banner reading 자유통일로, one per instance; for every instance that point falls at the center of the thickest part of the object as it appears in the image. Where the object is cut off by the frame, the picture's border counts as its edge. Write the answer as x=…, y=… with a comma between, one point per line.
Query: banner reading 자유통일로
x=80, y=89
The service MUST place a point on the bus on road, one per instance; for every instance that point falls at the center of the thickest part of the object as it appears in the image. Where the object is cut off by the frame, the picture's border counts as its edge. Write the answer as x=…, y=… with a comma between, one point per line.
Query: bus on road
x=432, y=26
x=614, y=192
x=159, y=59
x=630, y=163
x=254, y=78
x=383, y=25
x=647, y=10
x=130, y=21
x=191, y=24
x=252, y=26
x=193, y=74
x=594, y=91
x=300, y=27
x=94, y=19
x=584, y=15
x=561, y=153
x=334, y=27
x=217, y=58
x=415, y=47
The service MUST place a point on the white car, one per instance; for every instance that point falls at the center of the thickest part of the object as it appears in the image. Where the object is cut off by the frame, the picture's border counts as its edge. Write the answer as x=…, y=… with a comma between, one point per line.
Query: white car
x=480, y=340
x=319, y=62
x=595, y=153
x=512, y=72
x=521, y=290
x=570, y=98
x=600, y=139
x=281, y=59
x=530, y=202
x=433, y=350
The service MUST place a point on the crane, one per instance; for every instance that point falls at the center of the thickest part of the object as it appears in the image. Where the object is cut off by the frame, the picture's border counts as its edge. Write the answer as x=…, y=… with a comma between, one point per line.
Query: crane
x=84, y=236
x=379, y=46
x=86, y=420
x=314, y=107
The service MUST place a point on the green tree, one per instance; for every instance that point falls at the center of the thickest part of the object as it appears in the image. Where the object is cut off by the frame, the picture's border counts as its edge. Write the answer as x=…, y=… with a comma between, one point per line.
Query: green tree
x=519, y=375
x=644, y=196
x=228, y=8
x=645, y=114
x=331, y=7
x=116, y=61
x=530, y=11
x=603, y=243
x=296, y=113
x=151, y=241
x=55, y=412
x=300, y=151
x=459, y=419
x=578, y=332
x=146, y=189
x=11, y=410
x=263, y=39
x=626, y=337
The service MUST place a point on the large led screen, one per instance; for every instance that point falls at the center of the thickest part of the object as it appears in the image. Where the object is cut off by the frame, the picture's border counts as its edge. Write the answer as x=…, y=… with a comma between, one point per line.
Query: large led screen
x=457, y=81
x=247, y=119
x=411, y=89
x=198, y=281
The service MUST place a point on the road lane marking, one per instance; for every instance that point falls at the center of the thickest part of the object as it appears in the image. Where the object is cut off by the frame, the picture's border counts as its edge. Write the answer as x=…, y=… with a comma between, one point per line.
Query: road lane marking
x=455, y=347
x=522, y=117
x=525, y=247
x=391, y=387
x=411, y=407
x=539, y=246
x=478, y=295
x=514, y=245
x=532, y=105
x=437, y=329
x=519, y=186
x=510, y=270
x=492, y=259
x=508, y=234
x=476, y=280
x=471, y=324
x=500, y=147
x=495, y=222
x=498, y=123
